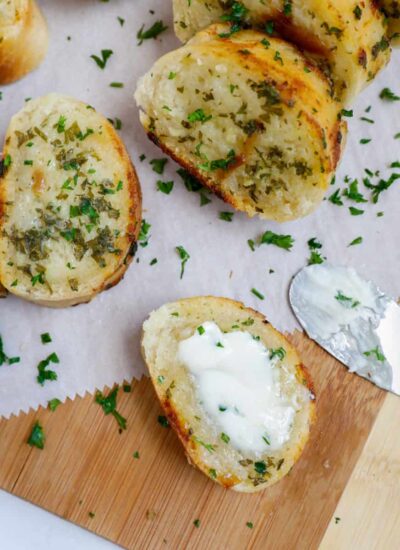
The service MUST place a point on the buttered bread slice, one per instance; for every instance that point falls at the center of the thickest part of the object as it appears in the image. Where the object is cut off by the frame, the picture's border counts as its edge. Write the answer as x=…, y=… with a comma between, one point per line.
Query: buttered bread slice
x=233, y=389
x=347, y=37
x=70, y=203
x=23, y=38
x=249, y=117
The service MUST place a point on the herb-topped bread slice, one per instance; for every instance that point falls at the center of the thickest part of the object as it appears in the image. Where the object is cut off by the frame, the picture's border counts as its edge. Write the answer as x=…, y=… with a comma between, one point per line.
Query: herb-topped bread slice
x=70, y=203
x=232, y=388
x=391, y=8
x=23, y=38
x=347, y=37
x=249, y=117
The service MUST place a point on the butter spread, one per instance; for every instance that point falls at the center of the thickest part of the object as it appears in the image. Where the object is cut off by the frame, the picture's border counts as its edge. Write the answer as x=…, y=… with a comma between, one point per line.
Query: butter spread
x=237, y=383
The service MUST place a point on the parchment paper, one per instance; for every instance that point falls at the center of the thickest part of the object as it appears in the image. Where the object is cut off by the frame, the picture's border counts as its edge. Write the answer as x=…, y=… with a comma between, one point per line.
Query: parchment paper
x=98, y=344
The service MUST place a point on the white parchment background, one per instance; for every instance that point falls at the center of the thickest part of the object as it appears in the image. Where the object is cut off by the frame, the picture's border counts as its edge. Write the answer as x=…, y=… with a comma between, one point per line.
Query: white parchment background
x=98, y=344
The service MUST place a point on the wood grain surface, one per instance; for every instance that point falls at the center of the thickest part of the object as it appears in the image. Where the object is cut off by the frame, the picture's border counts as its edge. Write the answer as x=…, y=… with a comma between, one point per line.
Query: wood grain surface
x=87, y=472
x=367, y=516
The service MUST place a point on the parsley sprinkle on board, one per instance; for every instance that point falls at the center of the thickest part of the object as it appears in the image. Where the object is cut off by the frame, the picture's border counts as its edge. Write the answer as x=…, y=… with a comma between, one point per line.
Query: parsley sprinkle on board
x=53, y=404
x=163, y=421
x=37, y=438
x=109, y=405
x=249, y=524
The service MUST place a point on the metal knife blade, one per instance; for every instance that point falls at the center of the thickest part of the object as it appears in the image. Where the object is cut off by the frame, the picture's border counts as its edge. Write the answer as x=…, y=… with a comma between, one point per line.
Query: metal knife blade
x=352, y=319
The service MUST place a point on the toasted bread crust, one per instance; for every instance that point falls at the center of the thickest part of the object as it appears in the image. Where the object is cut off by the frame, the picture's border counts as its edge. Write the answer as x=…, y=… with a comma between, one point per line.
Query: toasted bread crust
x=24, y=42
x=16, y=177
x=169, y=324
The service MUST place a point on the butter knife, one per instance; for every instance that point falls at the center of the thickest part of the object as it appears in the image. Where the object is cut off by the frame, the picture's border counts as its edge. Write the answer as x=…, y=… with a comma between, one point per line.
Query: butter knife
x=352, y=319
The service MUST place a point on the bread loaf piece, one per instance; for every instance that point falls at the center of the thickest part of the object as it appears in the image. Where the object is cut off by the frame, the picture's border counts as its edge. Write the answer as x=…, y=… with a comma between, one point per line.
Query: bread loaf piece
x=70, y=203
x=248, y=116
x=23, y=38
x=221, y=408
x=346, y=37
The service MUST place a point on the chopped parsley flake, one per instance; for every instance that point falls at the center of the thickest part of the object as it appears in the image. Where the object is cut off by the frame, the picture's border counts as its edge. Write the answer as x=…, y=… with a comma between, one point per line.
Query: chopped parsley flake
x=165, y=186
x=346, y=301
x=226, y=216
x=388, y=95
x=152, y=32
x=109, y=405
x=249, y=524
x=144, y=234
x=4, y=359
x=53, y=404
x=375, y=353
x=184, y=257
x=357, y=240
x=45, y=374
x=158, y=165
x=45, y=338
x=282, y=241
x=37, y=437
x=163, y=421
x=258, y=294
x=100, y=62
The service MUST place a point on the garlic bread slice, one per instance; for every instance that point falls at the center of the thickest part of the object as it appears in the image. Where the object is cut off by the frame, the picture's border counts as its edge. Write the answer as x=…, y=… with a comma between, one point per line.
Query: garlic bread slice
x=249, y=117
x=391, y=8
x=23, y=38
x=70, y=203
x=232, y=388
x=347, y=37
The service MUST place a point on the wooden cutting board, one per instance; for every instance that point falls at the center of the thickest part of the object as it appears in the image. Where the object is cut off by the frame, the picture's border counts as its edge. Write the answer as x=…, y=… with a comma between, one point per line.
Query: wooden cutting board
x=87, y=473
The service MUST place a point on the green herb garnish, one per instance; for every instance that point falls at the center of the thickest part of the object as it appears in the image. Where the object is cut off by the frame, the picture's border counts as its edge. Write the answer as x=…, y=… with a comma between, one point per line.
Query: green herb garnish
x=282, y=241
x=109, y=406
x=45, y=374
x=37, y=437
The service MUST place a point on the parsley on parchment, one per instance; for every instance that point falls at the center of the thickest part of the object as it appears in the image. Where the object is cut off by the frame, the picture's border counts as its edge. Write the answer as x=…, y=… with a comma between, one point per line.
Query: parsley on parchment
x=152, y=32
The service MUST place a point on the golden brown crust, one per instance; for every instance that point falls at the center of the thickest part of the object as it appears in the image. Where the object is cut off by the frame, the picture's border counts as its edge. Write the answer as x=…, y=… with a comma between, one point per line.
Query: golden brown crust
x=24, y=44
